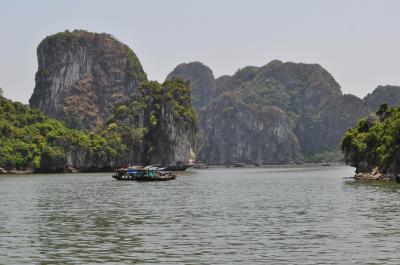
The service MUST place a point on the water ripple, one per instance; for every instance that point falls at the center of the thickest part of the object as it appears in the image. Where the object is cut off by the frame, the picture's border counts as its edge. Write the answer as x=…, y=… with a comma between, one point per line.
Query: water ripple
x=276, y=215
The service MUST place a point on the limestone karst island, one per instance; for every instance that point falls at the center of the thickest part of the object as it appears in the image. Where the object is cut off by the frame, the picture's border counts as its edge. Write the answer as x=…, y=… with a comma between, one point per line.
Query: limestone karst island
x=200, y=132
x=94, y=109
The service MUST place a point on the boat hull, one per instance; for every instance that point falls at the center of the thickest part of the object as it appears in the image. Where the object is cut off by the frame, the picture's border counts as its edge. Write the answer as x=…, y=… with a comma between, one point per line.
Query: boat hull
x=144, y=178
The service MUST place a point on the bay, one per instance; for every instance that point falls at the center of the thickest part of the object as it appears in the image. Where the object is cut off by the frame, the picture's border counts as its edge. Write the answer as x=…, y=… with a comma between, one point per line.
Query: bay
x=264, y=215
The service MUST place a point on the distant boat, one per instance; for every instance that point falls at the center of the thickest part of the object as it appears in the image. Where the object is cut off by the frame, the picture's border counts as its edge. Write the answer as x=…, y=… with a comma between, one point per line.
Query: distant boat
x=325, y=164
x=176, y=167
x=200, y=166
x=148, y=173
x=238, y=165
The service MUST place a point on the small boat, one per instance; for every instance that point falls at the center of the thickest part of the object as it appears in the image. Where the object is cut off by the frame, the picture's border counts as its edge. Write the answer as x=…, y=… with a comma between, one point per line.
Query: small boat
x=325, y=164
x=173, y=167
x=177, y=167
x=238, y=165
x=143, y=174
x=200, y=166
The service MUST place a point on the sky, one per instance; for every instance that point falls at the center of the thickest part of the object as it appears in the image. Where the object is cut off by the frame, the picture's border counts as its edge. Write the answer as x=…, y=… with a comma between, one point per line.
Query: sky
x=357, y=41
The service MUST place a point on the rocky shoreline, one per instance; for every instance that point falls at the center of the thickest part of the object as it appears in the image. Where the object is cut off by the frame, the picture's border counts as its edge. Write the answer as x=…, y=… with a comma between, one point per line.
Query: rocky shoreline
x=374, y=175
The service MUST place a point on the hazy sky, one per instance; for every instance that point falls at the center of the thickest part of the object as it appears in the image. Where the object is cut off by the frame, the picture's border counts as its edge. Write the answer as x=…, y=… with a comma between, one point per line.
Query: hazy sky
x=358, y=42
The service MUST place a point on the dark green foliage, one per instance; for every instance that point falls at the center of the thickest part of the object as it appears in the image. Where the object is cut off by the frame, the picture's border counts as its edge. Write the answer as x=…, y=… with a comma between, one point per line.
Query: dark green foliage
x=374, y=142
x=31, y=140
x=72, y=119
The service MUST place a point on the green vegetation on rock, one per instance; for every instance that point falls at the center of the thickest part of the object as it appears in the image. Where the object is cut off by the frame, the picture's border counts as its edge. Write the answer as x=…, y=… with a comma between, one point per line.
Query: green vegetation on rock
x=375, y=142
x=31, y=141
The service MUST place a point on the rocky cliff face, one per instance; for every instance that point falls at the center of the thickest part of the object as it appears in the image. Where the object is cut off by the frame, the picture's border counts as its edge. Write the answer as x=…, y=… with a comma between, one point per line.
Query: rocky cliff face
x=93, y=82
x=171, y=121
x=383, y=94
x=324, y=128
x=308, y=95
x=82, y=76
x=237, y=132
x=201, y=80
x=290, y=86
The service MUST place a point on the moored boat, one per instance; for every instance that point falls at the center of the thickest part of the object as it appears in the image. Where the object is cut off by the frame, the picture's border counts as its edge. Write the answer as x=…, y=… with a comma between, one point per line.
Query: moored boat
x=143, y=174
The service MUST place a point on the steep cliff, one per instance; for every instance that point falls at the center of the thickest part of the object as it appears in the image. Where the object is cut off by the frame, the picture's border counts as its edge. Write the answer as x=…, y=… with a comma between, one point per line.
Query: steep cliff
x=171, y=121
x=383, y=94
x=323, y=128
x=158, y=126
x=310, y=97
x=201, y=80
x=308, y=94
x=82, y=76
x=238, y=132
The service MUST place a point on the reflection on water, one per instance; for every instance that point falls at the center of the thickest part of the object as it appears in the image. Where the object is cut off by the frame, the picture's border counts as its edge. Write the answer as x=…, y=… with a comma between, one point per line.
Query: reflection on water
x=274, y=215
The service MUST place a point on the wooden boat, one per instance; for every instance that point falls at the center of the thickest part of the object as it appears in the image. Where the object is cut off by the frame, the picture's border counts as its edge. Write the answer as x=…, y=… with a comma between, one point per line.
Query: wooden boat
x=143, y=174
x=238, y=165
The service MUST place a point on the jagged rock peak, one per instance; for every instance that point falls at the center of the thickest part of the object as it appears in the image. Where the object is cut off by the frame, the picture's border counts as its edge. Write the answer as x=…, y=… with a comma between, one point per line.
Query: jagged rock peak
x=284, y=84
x=383, y=94
x=201, y=79
x=83, y=75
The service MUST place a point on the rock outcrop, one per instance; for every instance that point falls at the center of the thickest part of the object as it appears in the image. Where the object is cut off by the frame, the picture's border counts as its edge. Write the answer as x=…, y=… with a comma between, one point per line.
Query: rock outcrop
x=171, y=123
x=201, y=80
x=323, y=128
x=290, y=86
x=82, y=76
x=238, y=132
x=372, y=146
x=383, y=94
x=95, y=83
x=309, y=96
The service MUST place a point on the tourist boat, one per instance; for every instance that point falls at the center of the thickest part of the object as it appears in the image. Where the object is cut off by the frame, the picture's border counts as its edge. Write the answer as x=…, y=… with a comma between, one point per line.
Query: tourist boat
x=143, y=174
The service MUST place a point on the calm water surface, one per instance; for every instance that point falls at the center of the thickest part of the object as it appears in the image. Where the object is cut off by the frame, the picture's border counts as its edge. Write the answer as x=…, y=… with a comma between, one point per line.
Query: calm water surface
x=274, y=215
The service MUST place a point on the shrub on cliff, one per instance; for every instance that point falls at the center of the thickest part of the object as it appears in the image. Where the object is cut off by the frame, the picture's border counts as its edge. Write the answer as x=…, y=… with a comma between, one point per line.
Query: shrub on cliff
x=29, y=140
x=374, y=141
